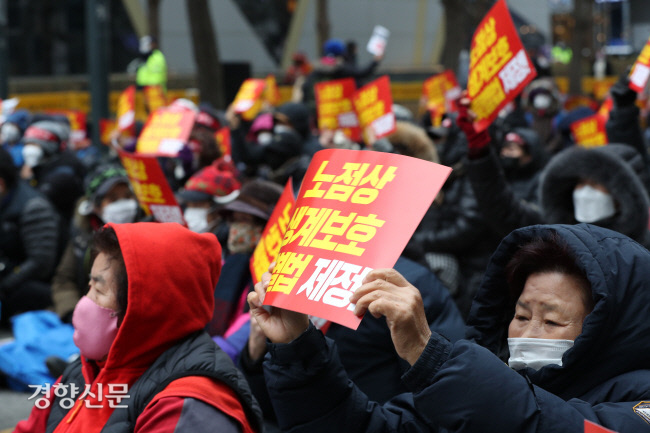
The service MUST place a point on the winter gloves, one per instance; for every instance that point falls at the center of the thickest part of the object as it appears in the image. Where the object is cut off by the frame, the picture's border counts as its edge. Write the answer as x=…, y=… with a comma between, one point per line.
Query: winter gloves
x=621, y=93
x=477, y=142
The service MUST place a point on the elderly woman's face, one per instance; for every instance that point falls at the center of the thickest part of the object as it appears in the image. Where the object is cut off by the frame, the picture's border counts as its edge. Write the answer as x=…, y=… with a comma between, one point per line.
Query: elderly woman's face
x=551, y=306
x=103, y=287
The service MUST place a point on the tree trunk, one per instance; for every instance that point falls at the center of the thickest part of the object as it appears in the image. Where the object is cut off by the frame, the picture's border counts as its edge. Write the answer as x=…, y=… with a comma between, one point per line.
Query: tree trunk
x=461, y=19
x=153, y=18
x=206, y=53
x=322, y=23
x=581, y=35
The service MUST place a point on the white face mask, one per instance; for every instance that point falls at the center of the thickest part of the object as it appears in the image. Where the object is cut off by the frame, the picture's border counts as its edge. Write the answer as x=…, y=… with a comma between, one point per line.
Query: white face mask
x=591, y=205
x=536, y=352
x=9, y=133
x=542, y=102
x=120, y=211
x=196, y=219
x=264, y=138
x=279, y=129
x=32, y=154
x=145, y=44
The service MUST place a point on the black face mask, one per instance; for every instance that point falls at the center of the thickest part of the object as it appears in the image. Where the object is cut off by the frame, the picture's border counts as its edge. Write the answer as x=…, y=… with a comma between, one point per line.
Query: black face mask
x=509, y=163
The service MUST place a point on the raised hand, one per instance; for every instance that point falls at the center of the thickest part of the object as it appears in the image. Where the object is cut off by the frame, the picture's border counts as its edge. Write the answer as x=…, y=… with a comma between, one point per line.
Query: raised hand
x=386, y=292
x=279, y=325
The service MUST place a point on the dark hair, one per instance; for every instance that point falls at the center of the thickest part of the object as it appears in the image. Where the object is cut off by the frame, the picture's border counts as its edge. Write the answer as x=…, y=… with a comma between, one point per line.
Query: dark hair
x=8, y=170
x=542, y=256
x=105, y=241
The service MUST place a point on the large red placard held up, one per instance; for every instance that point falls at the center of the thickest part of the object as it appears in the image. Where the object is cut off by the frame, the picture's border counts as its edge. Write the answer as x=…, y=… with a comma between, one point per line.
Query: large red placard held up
x=349, y=219
x=499, y=67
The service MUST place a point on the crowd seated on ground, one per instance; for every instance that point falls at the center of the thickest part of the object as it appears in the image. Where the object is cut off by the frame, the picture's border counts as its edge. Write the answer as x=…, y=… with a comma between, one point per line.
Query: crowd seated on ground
x=521, y=288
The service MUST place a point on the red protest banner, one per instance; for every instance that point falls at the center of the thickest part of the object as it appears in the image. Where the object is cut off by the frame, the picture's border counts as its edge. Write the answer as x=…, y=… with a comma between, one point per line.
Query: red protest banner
x=151, y=188
x=442, y=90
x=78, y=132
x=334, y=107
x=591, y=427
x=499, y=67
x=165, y=132
x=374, y=106
x=348, y=220
x=641, y=70
x=154, y=98
x=589, y=131
x=269, y=245
x=223, y=141
x=126, y=109
x=248, y=100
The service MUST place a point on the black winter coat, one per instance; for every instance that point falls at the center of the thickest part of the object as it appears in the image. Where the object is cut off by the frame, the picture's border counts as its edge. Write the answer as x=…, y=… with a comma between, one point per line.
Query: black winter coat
x=368, y=354
x=28, y=237
x=466, y=387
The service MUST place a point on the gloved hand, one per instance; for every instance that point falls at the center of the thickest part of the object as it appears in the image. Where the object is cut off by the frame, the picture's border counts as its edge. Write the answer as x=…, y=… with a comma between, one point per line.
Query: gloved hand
x=621, y=93
x=477, y=142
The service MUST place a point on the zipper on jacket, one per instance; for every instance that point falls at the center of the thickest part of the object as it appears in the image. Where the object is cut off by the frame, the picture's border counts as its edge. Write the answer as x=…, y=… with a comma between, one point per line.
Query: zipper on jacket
x=78, y=406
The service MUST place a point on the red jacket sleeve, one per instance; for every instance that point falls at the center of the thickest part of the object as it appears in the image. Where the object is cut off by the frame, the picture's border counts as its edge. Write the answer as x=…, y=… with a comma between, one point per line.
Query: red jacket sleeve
x=181, y=415
x=37, y=421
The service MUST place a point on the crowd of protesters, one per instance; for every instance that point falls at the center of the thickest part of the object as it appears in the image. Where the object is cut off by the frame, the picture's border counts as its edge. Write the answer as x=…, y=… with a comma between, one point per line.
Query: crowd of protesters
x=431, y=354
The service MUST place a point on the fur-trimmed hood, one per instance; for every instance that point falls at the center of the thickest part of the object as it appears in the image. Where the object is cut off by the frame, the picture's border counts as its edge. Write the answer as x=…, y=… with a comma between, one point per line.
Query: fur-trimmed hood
x=607, y=166
x=411, y=140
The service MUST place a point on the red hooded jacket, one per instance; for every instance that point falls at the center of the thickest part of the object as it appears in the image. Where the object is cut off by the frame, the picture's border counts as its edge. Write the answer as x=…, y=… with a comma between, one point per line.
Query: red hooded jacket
x=171, y=273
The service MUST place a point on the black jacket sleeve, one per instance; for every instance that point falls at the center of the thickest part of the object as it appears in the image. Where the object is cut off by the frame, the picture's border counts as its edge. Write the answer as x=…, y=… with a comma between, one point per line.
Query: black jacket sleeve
x=459, y=387
x=460, y=232
x=496, y=201
x=39, y=236
x=623, y=127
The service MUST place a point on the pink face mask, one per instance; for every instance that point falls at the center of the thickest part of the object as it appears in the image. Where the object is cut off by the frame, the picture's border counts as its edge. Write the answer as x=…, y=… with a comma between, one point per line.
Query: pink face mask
x=95, y=328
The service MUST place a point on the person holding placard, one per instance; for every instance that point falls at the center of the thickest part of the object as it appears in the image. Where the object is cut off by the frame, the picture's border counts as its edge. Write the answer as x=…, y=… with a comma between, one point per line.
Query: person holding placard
x=333, y=66
x=556, y=336
x=614, y=197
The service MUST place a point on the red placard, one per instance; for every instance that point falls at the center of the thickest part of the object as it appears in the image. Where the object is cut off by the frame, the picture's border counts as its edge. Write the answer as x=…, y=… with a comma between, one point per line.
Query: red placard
x=154, y=98
x=499, y=67
x=601, y=87
x=151, y=188
x=272, y=92
x=606, y=107
x=223, y=141
x=269, y=245
x=166, y=131
x=591, y=427
x=334, y=107
x=442, y=90
x=106, y=128
x=574, y=102
x=126, y=109
x=589, y=131
x=374, y=106
x=248, y=100
x=641, y=70
x=78, y=131
x=349, y=219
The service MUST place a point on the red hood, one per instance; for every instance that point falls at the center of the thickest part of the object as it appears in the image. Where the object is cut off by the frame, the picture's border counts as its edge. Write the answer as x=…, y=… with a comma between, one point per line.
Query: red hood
x=172, y=273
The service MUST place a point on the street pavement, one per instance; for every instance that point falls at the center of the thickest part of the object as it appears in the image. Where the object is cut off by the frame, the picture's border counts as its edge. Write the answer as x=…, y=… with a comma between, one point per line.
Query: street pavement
x=14, y=406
